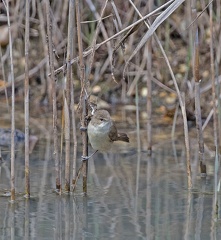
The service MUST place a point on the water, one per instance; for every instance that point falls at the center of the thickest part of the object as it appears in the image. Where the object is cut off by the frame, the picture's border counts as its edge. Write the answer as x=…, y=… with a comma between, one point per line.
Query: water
x=130, y=196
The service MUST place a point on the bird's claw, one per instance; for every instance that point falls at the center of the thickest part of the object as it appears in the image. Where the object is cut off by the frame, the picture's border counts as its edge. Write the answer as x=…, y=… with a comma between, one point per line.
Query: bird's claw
x=87, y=157
x=83, y=129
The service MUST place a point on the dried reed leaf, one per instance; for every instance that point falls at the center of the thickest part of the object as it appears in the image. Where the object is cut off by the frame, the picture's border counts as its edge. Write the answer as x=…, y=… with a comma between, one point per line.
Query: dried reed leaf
x=162, y=17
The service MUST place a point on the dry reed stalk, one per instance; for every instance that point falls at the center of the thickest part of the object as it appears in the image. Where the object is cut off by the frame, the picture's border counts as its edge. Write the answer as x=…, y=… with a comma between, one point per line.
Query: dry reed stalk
x=145, y=62
x=85, y=145
x=83, y=99
x=215, y=123
x=67, y=145
x=149, y=87
x=197, y=103
x=132, y=85
x=78, y=173
x=189, y=19
x=49, y=79
x=44, y=40
x=118, y=26
x=58, y=11
x=156, y=23
x=212, y=74
x=68, y=94
x=64, y=13
x=216, y=187
x=174, y=122
x=26, y=101
x=62, y=138
x=149, y=99
x=142, y=64
x=100, y=27
x=218, y=58
x=21, y=77
x=138, y=121
x=6, y=4
x=74, y=136
x=88, y=52
x=52, y=80
x=117, y=21
x=181, y=102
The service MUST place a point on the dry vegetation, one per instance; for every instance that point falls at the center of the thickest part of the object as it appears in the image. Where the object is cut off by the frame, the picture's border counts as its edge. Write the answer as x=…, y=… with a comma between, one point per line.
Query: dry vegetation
x=102, y=48
x=174, y=34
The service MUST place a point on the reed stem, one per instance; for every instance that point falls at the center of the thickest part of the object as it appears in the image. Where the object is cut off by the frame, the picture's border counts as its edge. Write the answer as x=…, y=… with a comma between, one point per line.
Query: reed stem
x=26, y=102
x=6, y=4
x=83, y=98
x=54, y=99
x=197, y=104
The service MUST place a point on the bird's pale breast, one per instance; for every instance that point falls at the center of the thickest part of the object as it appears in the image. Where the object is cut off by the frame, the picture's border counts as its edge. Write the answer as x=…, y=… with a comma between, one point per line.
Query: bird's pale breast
x=99, y=137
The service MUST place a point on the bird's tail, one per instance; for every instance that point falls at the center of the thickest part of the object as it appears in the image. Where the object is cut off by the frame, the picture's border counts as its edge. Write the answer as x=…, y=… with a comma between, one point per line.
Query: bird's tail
x=123, y=137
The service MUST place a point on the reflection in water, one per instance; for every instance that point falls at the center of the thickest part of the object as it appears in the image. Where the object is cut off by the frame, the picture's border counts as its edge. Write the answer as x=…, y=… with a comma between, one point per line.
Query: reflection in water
x=19, y=139
x=5, y=137
x=130, y=196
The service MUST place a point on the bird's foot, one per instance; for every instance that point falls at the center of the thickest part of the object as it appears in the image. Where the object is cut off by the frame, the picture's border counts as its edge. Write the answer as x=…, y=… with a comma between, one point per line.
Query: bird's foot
x=84, y=158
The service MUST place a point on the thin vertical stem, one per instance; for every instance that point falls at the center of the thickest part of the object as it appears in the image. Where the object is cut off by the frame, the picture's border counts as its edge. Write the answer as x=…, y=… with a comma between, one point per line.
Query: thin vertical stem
x=67, y=145
x=149, y=100
x=26, y=103
x=197, y=102
x=216, y=187
x=215, y=125
x=149, y=87
x=44, y=40
x=50, y=79
x=12, y=107
x=86, y=53
x=74, y=136
x=138, y=121
x=83, y=98
x=54, y=100
x=100, y=27
x=181, y=102
x=99, y=24
x=85, y=145
x=70, y=53
x=63, y=15
x=186, y=136
x=189, y=16
x=68, y=94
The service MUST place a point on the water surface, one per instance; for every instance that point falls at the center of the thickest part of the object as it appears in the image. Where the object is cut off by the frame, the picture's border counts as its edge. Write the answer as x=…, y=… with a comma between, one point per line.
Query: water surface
x=130, y=196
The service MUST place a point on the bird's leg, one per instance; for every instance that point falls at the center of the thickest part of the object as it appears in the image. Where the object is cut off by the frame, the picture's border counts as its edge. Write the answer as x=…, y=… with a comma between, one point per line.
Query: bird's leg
x=87, y=157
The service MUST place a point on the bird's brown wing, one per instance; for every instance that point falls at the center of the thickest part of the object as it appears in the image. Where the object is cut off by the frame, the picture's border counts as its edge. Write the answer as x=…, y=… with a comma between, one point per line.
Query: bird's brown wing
x=113, y=133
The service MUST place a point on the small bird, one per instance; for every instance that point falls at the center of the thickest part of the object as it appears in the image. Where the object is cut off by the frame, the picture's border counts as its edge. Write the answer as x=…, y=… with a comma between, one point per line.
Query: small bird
x=102, y=132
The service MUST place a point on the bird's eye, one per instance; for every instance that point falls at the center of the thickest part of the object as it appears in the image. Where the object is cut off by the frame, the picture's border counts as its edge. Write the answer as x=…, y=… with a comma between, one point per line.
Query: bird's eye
x=101, y=119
